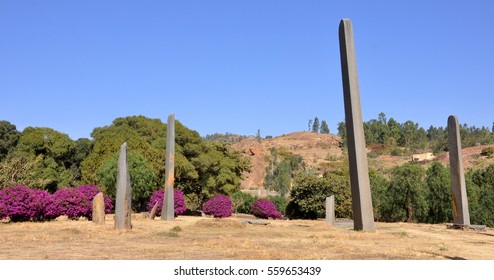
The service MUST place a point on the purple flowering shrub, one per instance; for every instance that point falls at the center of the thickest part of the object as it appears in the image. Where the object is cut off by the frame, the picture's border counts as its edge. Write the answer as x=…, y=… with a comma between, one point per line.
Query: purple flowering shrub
x=265, y=209
x=158, y=196
x=68, y=201
x=90, y=192
x=219, y=206
x=21, y=203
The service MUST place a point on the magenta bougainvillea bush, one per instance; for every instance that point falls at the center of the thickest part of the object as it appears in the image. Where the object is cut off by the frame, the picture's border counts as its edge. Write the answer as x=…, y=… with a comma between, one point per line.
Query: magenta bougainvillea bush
x=158, y=196
x=21, y=203
x=69, y=202
x=265, y=209
x=219, y=207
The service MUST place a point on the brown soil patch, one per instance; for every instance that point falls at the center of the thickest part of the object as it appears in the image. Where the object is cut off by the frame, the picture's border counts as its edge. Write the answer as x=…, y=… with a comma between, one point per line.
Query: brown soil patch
x=196, y=238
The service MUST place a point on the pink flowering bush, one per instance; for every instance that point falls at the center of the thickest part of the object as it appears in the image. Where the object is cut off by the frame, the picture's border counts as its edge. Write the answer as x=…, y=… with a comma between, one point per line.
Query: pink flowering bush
x=265, y=209
x=219, y=207
x=158, y=196
x=21, y=203
x=68, y=201
x=90, y=192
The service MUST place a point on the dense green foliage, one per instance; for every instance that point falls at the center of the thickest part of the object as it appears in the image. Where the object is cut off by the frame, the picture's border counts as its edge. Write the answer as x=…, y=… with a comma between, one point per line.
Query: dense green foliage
x=283, y=167
x=47, y=159
x=413, y=137
x=242, y=202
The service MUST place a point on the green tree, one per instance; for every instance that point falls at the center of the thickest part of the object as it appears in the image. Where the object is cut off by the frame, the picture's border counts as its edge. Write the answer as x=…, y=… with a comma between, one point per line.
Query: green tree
x=438, y=194
x=315, y=125
x=480, y=189
x=242, y=202
x=9, y=136
x=142, y=177
x=405, y=196
x=324, y=127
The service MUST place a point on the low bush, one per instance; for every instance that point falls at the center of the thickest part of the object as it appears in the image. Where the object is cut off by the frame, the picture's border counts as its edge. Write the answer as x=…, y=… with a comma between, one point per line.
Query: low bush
x=21, y=203
x=159, y=196
x=488, y=152
x=70, y=202
x=265, y=209
x=242, y=202
x=219, y=207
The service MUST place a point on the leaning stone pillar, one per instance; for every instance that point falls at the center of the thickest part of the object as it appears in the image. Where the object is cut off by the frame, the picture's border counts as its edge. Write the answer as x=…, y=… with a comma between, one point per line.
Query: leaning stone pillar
x=168, y=211
x=123, y=200
x=363, y=214
x=461, y=216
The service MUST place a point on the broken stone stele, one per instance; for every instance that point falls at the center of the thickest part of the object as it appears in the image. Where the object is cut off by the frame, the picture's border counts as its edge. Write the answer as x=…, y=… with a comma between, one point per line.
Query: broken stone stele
x=123, y=209
x=168, y=211
x=99, y=209
x=330, y=216
x=363, y=214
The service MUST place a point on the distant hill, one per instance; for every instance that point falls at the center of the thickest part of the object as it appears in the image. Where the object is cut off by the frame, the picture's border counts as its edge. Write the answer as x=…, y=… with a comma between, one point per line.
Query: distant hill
x=227, y=138
x=316, y=149
x=322, y=152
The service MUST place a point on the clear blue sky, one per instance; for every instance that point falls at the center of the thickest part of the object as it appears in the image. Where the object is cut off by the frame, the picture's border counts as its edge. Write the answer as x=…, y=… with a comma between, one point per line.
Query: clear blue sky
x=240, y=66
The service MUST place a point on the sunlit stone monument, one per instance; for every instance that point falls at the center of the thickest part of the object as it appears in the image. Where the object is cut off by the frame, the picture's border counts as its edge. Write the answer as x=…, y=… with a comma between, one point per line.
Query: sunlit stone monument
x=363, y=214
x=123, y=209
x=168, y=211
x=461, y=215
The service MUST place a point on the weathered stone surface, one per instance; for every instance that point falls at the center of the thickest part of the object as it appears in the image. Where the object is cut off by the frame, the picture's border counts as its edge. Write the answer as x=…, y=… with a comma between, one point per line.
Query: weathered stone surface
x=359, y=173
x=123, y=210
x=168, y=211
x=99, y=209
x=330, y=216
x=154, y=211
x=461, y=215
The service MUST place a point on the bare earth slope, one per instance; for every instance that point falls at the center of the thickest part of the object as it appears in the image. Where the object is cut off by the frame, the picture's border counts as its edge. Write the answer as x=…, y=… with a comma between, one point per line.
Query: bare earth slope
x=313, y=147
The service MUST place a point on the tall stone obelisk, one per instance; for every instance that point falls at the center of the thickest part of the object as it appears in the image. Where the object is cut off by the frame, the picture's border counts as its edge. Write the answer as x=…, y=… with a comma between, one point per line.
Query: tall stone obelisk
x=461, y=215
x=168, y=211
x=363, y=214
x=123, y=209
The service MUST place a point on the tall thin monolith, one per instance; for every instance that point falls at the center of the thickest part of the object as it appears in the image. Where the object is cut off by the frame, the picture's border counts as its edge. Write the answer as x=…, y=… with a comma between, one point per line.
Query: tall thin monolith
x=363, y=214
x=123, y=210
x=168, y=211
x=461, y=215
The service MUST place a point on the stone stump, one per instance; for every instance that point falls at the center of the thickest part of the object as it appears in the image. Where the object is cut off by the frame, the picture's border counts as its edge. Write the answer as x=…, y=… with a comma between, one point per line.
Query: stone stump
x=99, y=209
x=330, y=216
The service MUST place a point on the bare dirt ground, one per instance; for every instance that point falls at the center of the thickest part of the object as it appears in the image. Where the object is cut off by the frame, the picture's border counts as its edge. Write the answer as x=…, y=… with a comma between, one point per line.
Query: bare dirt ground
x=196, y=238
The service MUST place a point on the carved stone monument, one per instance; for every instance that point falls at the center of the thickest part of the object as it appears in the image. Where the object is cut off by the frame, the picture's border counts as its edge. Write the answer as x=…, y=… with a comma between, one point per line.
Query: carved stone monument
x=330, y=216
x=461, y=215
x=363, y=214
x=168, y=211
x=99, y=209
x=123, y=209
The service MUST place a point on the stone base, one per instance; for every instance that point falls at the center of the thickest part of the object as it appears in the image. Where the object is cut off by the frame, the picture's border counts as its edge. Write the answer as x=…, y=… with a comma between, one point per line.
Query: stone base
x=467, y=227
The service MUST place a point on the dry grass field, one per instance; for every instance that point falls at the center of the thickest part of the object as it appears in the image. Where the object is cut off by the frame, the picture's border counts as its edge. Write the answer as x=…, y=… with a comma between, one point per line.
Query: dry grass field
x=196, y=238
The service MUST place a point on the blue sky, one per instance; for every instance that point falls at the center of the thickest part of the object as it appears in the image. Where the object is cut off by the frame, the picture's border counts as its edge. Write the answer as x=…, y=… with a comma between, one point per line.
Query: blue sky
x=240, y=66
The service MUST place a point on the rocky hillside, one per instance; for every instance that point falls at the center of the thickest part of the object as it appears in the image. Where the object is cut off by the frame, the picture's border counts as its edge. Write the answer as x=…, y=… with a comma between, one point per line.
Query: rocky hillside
x=320, y=151
x=316, y=149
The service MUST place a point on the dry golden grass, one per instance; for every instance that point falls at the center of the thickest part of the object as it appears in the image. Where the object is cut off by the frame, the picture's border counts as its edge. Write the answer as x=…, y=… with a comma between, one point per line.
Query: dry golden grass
x=195, y=238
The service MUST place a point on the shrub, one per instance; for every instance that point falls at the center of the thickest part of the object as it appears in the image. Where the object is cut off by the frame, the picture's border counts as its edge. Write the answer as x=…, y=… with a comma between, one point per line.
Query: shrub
x=265, y=209
x=20, y=203
x=219, y=206
x=158, y=196
x=70, y=202
x=489, y=152
x=280, y=202
x=90, y=192
x=242, y=202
